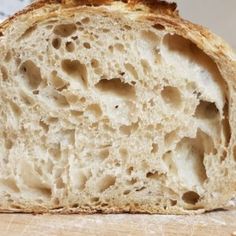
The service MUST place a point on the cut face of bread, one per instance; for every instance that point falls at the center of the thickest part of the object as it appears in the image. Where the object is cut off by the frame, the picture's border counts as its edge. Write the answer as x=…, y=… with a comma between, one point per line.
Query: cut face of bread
x=114, y=109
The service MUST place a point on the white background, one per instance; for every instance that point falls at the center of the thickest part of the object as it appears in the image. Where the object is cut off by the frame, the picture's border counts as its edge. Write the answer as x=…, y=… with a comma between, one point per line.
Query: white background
x=218, y=15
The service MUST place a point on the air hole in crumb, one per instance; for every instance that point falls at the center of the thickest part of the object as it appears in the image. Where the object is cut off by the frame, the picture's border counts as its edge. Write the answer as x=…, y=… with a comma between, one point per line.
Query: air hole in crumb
x=57, y=82
x=126, y=192
x=52, y=120
x=27, y=100
x=150, y=37
x=119, y=47
x=123, y=154
x=203, y=140
x=144, y=165
x=110, y=48
x=95, y=110
x=74, y=38
x=98, y=71
x=94, y=63
x=206, y=110
x=68, y=136
x=168, y=160
x=8, y=56
x=81, y=28
x=32, y=74
x=44, y=126
x=153, y=175
x=130, y=170
x=95, y=199
x=56, y=43
x=171, y=137
x=4, y=73
x=154, y=148
x=146, y=67
x=76, y=70
x=70, y=47
x=71, y=98
x=182, y=49
x=83, y=100
x=117, y=87
x=76, y=205
x=36, y=92
x=15, y=108
x=87, y=45
x=60, y=100
x=159, y=26
x=173, y=202
x=64, y=30
x=132, y=181
x=60, y=184
x=171, y=96
x=127, y=27
x=103, y=154
x=191, y=197
x=223, y=155
x=140, y=189
x=47, y=192
x=76, y=113
x=131, y=70
x=193, y=151
x=104, y=30
x=85, y=20
x=234, y=153
x=108, y=128
x=104, y=205
x=28, y=32
x=226, y=125
x=8, y=144
x=56, y=201
x=106, y=182
x=129, y=129
x=11, y=184
x=14, y=206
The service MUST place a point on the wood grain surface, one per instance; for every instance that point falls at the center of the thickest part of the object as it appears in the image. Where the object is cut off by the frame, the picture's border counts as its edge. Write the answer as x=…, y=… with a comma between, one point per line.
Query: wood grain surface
x=221, y=223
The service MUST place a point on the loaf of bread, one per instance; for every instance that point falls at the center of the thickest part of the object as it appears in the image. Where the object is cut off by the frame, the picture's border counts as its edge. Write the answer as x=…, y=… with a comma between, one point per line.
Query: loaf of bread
x=114, y=106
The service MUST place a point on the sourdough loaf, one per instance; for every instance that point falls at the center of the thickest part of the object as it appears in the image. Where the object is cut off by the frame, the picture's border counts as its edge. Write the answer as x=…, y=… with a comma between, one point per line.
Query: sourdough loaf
x=114, y=106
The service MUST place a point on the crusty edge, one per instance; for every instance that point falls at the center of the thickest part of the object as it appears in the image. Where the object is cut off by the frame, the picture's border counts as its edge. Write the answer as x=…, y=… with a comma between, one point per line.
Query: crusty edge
x=154, y=5
x=32, y=7
x=112, y=210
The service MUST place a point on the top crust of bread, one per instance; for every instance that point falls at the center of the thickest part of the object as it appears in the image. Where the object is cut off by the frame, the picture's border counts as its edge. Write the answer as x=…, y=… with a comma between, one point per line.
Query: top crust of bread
x=158, y=13
x=167, y=12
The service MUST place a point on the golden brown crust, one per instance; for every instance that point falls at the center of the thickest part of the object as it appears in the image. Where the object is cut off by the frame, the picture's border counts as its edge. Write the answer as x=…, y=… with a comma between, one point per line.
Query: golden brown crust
x=34, y=6
x=154, y=5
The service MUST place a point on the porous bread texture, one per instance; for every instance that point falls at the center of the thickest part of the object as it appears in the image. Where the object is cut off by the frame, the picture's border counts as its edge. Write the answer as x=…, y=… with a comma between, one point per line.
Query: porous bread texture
x=105, y=110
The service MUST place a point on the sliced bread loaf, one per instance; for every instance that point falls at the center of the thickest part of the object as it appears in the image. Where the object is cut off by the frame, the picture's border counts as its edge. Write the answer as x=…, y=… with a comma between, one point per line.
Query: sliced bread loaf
x=114, y=106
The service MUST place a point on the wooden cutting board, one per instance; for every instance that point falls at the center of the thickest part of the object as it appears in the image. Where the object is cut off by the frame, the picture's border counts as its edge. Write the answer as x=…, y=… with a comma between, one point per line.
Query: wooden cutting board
x=219, y=223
